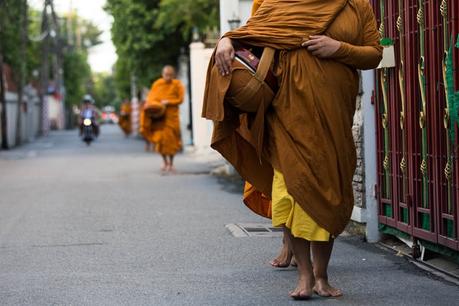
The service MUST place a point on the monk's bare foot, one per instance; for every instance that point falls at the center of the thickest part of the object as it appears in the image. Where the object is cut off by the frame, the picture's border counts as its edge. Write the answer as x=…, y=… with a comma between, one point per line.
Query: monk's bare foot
x=165, y=168
x=171, y=169
x=147, y=147
x=324, y=289
x=304, y=289
x=283, y=259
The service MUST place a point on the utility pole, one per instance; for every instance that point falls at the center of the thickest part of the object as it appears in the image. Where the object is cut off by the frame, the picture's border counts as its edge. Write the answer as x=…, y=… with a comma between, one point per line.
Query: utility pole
x=22, y=73
x=3, y=116
x=58, y=60
x=44, y=73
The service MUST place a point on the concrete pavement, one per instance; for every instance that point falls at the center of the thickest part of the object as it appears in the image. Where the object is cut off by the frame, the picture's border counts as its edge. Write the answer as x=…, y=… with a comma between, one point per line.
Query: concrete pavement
x=99, y=225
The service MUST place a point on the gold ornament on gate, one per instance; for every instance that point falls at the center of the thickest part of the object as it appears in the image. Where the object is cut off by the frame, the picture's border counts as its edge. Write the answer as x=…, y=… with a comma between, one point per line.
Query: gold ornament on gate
x=422, y=120
x=382, y=29
x=423, y=167
x=448, y=171
x=402, y=121
x=444, y=8
x=384, y=121
x=446, y=118
x=386, y=162
x=399, y=24
x=403, y=165
x=420, y=16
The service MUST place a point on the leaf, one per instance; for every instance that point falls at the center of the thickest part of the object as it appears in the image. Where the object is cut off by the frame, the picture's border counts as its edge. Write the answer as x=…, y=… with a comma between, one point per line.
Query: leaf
x=385, y=42
x=457, y=43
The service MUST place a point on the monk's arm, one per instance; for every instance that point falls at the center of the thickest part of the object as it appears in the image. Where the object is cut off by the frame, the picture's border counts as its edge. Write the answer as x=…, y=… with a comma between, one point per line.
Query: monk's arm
x=367, y=56
x=179, y=98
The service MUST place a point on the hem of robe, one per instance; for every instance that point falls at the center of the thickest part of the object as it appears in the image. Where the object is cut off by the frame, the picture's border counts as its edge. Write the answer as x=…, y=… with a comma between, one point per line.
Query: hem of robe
x=257, y=202
x=287, y=212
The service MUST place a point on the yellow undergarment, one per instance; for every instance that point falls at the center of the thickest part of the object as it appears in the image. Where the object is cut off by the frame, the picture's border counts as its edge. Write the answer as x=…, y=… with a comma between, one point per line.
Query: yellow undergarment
x=285, y=211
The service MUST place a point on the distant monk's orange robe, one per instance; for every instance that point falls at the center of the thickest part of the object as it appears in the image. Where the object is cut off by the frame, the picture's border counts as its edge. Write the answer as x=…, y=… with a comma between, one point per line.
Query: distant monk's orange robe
x=142, y=119
x=165, y=133
x=125, y=122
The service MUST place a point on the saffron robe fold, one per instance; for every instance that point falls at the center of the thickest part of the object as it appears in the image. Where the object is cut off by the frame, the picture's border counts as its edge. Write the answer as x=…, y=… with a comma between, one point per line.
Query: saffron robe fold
x=308, y=131
x=165, y=132
x=125, y=118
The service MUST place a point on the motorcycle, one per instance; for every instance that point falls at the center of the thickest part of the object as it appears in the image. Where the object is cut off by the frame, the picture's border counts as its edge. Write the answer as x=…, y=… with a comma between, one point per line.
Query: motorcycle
x=88, y=134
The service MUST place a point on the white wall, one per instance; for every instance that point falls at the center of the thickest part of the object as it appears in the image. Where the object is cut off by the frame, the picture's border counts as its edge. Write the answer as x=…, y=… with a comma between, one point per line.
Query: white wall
x=29, y=120
x=202, y=129
x=369, y=146
x=234, y=8
x=183, y=76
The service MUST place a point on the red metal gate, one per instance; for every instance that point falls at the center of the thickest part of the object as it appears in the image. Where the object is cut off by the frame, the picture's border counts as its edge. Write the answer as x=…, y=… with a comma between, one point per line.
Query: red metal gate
x=418, y=166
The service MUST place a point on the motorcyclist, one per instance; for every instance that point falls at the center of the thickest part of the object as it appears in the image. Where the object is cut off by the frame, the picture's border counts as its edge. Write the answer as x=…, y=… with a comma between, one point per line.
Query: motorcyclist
x=88, y=111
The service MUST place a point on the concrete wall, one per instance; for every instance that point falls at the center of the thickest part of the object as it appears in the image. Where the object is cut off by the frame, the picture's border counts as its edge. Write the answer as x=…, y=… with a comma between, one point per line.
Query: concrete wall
x=202, y=129
x=185, y=109
x=30, y=116
x=234, y=8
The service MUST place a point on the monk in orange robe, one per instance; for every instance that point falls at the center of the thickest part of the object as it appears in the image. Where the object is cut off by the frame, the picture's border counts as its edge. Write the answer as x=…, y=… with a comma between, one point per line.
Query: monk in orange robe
x=164, y=131
x=261, y=204
x=308, y=157
x=125, y=118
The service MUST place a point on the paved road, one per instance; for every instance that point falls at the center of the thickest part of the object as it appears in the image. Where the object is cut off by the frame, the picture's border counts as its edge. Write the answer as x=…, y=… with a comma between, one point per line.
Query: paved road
x=99, y=225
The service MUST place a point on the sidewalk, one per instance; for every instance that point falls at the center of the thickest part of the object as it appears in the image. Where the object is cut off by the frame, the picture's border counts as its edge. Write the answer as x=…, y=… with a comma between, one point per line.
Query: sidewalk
x=102, y=226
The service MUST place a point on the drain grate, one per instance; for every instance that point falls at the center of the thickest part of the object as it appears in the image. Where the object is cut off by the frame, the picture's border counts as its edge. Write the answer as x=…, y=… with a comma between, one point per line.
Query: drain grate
x=240, y=230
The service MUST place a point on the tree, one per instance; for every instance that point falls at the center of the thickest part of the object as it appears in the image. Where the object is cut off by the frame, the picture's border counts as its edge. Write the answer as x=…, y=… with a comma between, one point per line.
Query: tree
x=149, y=34
x=104, y=91
x=10, y=51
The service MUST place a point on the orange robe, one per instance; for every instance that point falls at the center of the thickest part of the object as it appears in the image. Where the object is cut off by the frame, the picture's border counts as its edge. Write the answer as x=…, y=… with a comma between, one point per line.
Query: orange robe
x=308, y=128
x=164, y=133
x=254, y=199
x=125, y=118
x=142, y=119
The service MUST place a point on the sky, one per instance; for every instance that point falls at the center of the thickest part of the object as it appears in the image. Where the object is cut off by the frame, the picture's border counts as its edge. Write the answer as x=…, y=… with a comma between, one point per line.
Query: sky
x=101, y=57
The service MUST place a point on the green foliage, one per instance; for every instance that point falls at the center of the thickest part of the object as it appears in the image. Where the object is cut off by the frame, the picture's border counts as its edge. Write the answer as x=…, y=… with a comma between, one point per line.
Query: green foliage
x=104, y=91
x=186, y=15
x=10, y=23
x=80, y=33
x=149, y=34
x=386, y=42
x=122, y=78
x=77, y=73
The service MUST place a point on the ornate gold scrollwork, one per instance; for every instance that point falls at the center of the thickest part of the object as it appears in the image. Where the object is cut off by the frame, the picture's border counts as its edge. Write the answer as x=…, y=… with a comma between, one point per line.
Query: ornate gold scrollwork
x=422, y=120
x=402, y=120
x=448, y=171
x=420, y=16
x=384, y=121
x=386, y=163
x=446, y=118
x=423, y=167
x=403, y=165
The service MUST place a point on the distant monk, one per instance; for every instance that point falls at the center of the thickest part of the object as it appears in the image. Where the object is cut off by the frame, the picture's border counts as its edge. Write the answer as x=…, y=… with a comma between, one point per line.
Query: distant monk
x=125, y=122
x=162, y=120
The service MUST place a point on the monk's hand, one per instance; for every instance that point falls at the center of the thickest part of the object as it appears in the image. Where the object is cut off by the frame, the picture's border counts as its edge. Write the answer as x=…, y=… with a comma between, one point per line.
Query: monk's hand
x=224, y=56
x=321, y=46
x=164, y=102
